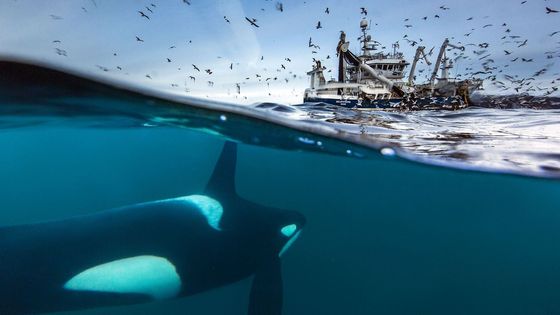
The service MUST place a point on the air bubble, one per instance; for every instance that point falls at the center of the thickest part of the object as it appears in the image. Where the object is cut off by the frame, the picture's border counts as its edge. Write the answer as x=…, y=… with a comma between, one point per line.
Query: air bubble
x=223, y=117
x=388, y=152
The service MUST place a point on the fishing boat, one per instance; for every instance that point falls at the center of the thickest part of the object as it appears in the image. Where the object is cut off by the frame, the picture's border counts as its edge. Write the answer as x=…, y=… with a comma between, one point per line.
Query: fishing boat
x=374, y=80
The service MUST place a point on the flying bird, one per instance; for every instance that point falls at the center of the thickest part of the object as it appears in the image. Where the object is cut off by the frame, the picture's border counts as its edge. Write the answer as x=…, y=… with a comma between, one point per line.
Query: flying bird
x=318, y=25
x=225, y=18
x=196, y=68
x=142, y=14
x=138, y=39
x=252, y=21
x=363, y=11
x=327, y=11
x=279, y=6
x=549, y=10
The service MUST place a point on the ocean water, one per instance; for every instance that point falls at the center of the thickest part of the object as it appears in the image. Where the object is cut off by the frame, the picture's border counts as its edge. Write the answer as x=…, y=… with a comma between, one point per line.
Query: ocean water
x=407, y=213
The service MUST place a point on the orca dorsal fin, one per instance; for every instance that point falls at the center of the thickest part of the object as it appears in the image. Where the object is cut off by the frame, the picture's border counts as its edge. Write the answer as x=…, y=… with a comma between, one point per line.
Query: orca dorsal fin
x=222, y=180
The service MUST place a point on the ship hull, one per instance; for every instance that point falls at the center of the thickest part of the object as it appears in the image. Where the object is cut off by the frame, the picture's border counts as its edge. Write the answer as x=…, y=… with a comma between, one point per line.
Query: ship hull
x=424, y=103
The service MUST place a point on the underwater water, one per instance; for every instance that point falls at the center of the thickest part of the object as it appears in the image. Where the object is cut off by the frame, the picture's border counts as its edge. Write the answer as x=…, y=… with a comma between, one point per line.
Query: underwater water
x=386, y=233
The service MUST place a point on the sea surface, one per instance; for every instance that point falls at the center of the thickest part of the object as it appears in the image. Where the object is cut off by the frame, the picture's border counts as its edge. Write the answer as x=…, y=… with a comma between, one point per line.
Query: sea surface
x=429, y=212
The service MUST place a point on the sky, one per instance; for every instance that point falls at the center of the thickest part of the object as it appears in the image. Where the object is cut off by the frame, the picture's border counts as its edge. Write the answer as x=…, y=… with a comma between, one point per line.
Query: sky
x=99, y=37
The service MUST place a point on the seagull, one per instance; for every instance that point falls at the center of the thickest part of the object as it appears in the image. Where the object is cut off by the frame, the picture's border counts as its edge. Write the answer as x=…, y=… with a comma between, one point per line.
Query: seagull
x=252, y=21
x=549, y=10
x=364, y=11
x=225, y=18
x=507, y=52
x=196, y=68
x=138, y=39
x=192, y=78
x=168, y=60
x=148, y=8
x=444, y=8
x=279, y=6
x=318, y=25
x=143, y=15
x=523, y=44
x=327, y=11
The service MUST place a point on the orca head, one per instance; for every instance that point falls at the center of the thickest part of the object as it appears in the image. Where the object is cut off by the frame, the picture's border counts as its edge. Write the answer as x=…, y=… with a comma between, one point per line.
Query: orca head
x=277, y=229
x=267, y=229
x=287, y=230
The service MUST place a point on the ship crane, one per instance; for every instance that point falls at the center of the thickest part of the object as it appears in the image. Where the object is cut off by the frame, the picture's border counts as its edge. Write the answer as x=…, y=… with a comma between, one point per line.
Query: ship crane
x=420, y=54
x=440, y=58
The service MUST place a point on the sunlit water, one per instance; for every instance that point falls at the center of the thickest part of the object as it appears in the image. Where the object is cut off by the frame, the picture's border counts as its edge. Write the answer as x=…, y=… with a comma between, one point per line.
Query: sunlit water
x=518, y=139
x=386, y=233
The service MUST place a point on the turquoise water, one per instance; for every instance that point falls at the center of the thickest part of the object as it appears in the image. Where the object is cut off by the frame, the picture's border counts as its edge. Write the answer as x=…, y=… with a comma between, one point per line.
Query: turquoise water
x=384, y=234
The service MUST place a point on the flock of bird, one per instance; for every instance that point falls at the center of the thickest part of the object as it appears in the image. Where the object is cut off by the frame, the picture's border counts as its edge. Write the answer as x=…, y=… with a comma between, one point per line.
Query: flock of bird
x=479, y=55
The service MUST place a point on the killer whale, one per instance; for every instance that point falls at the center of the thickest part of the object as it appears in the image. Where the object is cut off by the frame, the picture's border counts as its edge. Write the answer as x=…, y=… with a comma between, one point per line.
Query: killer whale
x=151, y=251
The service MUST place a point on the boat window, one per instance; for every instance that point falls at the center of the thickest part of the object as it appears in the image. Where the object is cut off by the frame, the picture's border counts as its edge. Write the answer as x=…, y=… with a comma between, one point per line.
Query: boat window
x=390, y=67
x=384, y=67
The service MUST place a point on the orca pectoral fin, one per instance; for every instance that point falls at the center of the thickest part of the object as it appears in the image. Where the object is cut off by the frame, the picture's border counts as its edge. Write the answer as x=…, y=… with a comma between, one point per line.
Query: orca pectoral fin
x=267, y=290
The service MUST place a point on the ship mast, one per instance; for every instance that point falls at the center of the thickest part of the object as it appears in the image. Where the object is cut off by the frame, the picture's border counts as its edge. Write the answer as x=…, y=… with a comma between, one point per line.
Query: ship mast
x=366, y=39
x=420, y=54
x=441, y=58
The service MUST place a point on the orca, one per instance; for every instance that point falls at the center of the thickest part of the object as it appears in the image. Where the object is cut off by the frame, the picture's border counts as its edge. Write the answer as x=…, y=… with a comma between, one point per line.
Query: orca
x=150, y=251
